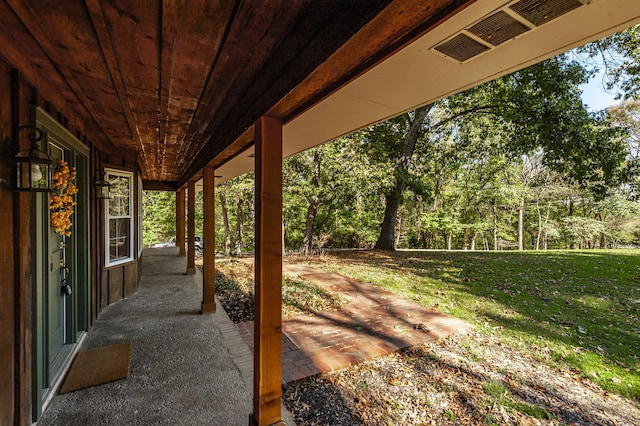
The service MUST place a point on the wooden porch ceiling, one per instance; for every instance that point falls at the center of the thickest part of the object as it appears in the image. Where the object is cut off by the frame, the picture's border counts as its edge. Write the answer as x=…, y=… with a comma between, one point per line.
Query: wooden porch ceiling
x=181, y=83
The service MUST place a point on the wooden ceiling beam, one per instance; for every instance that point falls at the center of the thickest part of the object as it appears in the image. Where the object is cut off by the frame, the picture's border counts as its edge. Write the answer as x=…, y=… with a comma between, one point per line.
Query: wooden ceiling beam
x=180, y=85
x=231, y=72
x=168, y=40
x=201, y=27
x=318, y=30
x=396, y=26
x=157, y=185
x=104, y=40
x=135, y=34
x=399, y=24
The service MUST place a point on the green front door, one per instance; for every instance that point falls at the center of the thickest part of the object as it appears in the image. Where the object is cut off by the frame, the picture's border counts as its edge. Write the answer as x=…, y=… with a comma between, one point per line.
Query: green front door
x=55, y=299
x=59, y=320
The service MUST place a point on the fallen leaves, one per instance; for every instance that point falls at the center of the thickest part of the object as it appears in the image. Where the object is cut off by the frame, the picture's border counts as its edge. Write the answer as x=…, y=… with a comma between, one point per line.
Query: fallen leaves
x=445, y=383
x=235, y=287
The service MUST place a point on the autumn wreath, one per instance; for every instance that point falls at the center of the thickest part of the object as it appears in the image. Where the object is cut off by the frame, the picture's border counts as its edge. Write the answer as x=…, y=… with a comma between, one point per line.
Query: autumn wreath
x=61, y=200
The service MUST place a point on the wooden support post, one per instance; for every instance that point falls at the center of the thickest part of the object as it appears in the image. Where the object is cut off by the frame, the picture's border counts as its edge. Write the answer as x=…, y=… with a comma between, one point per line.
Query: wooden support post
x=191, y=228
x=22, y=278
x=268, y=274
x=209, y=235
x=180, y=216
x=18, y=351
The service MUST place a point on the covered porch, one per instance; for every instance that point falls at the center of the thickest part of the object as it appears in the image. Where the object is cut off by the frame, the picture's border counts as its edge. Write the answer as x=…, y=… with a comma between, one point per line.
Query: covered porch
x=185, y=368
x=165, y=95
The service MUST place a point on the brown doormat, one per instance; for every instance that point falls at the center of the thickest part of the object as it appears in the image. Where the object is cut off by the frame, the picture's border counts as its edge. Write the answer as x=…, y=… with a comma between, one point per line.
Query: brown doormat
x=98, y=366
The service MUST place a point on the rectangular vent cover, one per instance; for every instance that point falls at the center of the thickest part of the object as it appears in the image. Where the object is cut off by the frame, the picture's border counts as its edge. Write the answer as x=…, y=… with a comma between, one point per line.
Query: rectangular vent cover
x=498, y=28
x=540, y=12
x=461, y=47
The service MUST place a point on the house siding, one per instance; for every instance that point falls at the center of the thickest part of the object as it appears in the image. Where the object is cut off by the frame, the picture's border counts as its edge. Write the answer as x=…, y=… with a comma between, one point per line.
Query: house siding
x=17, y=99
x=7, y=260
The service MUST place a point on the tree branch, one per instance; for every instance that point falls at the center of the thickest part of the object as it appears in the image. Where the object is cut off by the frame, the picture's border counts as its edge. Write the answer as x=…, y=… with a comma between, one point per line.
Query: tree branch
x=447, y=120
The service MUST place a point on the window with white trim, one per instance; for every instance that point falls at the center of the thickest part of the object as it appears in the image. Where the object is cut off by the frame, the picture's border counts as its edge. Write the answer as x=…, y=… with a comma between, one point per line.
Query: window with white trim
x=139, y=215
x=119, y=217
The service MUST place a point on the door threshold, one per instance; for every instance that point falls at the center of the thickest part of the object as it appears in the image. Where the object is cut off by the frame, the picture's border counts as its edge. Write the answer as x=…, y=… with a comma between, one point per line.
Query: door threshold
x=60, y=367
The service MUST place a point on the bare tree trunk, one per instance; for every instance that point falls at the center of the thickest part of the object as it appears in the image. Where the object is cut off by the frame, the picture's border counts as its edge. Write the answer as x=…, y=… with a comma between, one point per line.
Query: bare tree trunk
x=239, y=226
x=603, y=238
x=473, y=241
x=521, y=225
x=495, y=227
x=225, y=223
x=539, y=237
x=573, y=244
x=312, y=209
x=386, y=240
x=546, y=224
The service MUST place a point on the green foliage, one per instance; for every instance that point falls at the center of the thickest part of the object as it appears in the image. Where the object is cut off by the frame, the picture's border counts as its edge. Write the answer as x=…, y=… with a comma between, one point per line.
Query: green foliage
x=502, y=396
x=622, y=59
x=450, y=415
x=581, y=230
x=159, y=214
x=574, y=308
x=626, y=116
x=348, y=207
x=239, y=192
x=518, y=155
x=540, y=107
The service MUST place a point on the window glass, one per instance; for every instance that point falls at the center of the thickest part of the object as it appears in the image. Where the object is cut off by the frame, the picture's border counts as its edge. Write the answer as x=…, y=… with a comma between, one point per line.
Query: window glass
x=119, y=217
x=139, y=215
x=120, y=193
x=119, y=239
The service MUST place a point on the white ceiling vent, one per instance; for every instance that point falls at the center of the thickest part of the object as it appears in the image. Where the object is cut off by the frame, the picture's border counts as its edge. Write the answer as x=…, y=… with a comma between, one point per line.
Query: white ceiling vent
x=540, y=12
x=506, y=24
x=461, y=47
x=498, y=28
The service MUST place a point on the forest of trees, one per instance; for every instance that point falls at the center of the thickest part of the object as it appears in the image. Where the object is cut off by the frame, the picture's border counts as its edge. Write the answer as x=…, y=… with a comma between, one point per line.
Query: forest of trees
x=516, y=163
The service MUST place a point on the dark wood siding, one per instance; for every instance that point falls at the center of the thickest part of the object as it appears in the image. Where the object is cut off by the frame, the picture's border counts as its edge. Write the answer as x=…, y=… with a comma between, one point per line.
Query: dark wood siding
x=7, y=308
x=116, y=283
x=130, y=279
x=18, y=96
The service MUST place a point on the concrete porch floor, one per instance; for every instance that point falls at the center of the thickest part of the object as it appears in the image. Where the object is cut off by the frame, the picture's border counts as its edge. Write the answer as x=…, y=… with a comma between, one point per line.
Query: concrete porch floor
x=186, y=368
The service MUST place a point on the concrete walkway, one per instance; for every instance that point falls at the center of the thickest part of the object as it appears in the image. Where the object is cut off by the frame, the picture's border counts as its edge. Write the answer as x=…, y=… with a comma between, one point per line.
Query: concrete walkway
x=186, y=368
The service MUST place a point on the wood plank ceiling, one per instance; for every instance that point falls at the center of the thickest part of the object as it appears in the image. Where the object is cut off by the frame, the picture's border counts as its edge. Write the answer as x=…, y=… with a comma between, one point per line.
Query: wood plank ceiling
x=179, y=83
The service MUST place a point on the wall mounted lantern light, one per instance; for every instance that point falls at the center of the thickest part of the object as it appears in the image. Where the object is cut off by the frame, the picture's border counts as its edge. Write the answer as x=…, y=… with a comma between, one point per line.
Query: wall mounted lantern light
x=103, y=187
x=33, y=166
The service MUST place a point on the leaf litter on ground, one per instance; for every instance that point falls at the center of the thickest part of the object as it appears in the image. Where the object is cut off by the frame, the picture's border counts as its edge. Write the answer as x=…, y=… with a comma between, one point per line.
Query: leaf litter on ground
x=467, y=379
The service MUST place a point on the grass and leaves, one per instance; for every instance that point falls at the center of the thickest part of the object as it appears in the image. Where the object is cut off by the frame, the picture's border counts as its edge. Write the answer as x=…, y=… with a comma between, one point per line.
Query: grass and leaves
x=502, y=396
x=572, y=309
x=235, y=289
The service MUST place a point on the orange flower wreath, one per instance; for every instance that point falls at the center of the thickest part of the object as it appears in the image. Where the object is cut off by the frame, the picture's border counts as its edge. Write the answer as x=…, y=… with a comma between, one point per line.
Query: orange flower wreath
x=61, y=200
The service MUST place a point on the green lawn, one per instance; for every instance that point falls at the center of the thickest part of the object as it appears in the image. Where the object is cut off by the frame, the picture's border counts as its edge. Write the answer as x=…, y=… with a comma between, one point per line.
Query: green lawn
x=575, y=309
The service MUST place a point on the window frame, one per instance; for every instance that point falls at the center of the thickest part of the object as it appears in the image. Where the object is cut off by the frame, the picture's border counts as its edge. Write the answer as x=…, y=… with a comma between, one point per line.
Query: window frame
x=131, y=216
x=139, y=211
